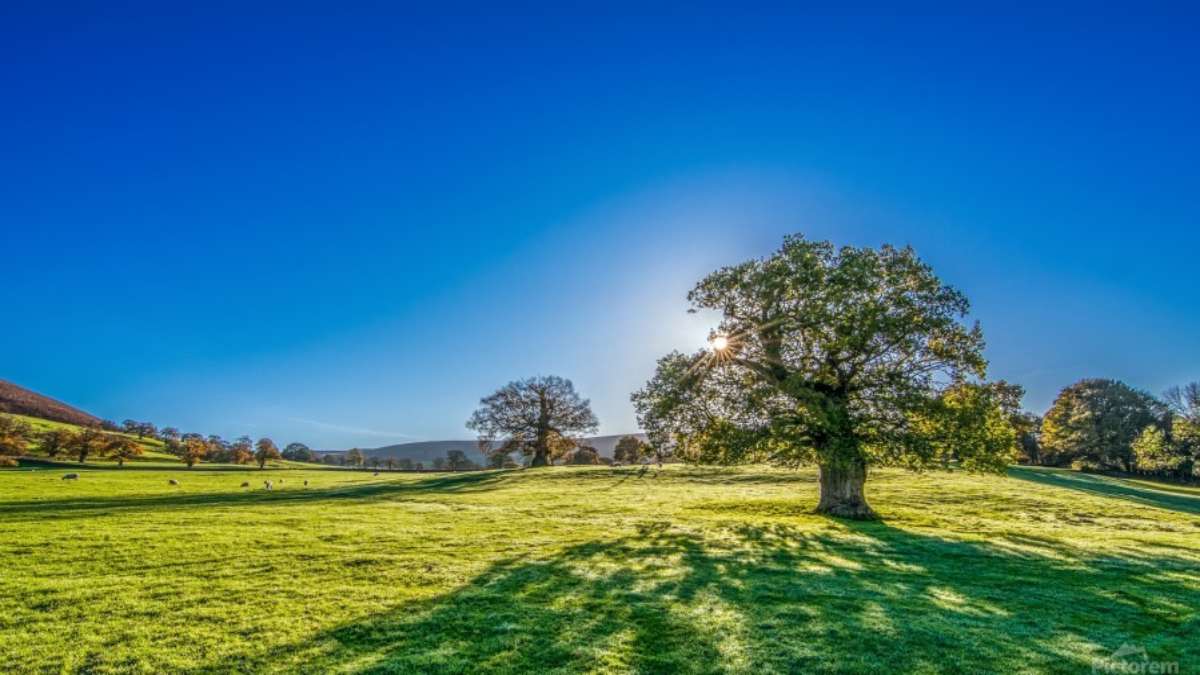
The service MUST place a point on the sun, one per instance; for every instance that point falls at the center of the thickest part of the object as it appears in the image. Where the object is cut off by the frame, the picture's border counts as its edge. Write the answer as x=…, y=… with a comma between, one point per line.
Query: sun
x=720, y=343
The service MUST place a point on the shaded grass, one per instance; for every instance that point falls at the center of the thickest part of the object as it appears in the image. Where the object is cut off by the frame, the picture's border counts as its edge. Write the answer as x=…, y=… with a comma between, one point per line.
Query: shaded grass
x=563, y=570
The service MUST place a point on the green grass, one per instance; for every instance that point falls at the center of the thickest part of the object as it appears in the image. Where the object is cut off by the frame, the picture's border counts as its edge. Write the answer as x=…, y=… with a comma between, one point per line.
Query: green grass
x=572, y=569
x=154, y=454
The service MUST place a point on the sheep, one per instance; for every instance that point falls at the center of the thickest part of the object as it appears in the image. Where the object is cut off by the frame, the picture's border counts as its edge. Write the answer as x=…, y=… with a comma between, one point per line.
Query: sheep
x=269, y=485
x=173, y=482
x=71, y=476
x=246, y=483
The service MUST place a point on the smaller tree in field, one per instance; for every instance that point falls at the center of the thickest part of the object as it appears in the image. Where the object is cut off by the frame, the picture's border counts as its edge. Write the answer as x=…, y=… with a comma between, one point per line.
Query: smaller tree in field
x=299, y=452
x=439, y=463
x=629, y=449
x=145, y=429
x=375, y=462
x=88, y=441
x=355, y=457
x=457, y=460
x=122, y=448
x=241, y=451
x=54, y=442
x=390, y=463
x=169, y=432
x=406, y=464
x=192, y=450
x=14, y=439
x=1093, y=424
x=539, y=417
x=265, y=450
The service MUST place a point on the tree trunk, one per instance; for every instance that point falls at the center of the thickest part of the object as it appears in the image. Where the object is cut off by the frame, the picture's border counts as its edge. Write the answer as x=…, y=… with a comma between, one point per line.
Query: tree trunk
x=842, y=493
x=539, y=459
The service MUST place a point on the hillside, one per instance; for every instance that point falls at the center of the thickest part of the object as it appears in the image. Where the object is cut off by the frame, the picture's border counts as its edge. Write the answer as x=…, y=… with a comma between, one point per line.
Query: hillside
x=680, y=570
x=427, y=451
x=21, y=401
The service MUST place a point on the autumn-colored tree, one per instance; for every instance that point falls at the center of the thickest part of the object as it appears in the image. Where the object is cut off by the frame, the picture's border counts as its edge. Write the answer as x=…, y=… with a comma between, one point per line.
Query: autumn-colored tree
x=241, y=451
x=14, y=439
x=88, y=441
x=54, y=442
x=265, y=450
x=539, y=417
x=192, y=450
x=837, y=357
x=122, y=448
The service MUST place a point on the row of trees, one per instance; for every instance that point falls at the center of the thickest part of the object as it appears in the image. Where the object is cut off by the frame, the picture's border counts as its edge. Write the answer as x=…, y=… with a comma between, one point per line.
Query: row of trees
x=16, y=436
x=1109, y=426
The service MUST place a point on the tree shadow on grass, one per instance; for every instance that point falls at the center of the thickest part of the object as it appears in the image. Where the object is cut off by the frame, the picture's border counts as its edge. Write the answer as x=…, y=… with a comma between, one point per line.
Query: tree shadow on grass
x=1110, y=487
x=862, y=597
x=92, y=505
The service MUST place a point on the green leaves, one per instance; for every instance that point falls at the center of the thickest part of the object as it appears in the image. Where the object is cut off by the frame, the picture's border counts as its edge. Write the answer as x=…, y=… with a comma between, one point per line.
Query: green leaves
x=833, y=354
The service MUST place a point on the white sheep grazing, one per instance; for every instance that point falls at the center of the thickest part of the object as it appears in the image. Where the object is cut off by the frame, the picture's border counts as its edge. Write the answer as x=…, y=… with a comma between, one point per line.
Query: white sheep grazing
x=269, y=484
x=71, y=476
x=246, y=484
x=173, y=482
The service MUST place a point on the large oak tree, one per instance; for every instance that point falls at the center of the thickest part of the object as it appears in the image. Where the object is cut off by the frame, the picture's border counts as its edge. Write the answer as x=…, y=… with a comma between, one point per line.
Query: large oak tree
x=539, y=417
x=845, y=358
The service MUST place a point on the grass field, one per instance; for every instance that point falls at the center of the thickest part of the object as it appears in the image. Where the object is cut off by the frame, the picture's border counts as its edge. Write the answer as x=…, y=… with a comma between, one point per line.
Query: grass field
x=565, y=569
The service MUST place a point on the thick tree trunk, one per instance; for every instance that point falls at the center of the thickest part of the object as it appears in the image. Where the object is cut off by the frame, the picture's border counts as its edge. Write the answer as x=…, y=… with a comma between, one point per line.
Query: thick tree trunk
x=539, y=459
x=842, y=492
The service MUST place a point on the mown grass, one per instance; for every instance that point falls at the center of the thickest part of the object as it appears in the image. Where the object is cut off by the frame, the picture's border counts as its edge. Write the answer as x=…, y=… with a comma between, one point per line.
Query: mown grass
x=572, y=569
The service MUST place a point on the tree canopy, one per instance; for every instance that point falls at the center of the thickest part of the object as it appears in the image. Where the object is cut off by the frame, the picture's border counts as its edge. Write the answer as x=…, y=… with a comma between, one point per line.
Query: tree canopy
x=1093, y=423
x=539, y=417
x=840, y=357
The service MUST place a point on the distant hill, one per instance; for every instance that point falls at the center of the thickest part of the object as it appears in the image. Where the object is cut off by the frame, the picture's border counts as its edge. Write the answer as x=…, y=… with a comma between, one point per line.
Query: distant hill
x=21, y=401
x=427, y=451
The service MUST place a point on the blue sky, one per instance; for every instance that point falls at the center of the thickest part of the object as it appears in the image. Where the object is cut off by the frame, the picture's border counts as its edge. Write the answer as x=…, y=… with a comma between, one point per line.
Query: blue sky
x=345, y=225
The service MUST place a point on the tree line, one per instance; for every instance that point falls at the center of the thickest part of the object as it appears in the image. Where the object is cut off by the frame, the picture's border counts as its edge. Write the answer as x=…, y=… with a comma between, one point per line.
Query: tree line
x=1107, y=425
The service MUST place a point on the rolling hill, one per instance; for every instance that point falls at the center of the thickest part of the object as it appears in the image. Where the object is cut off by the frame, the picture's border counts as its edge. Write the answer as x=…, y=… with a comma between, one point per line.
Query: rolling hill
x=427, y=451
x=21, y=401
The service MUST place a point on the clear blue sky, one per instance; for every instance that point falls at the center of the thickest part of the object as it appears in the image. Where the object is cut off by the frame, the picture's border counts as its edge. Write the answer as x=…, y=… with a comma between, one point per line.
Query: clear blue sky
x=344, y=226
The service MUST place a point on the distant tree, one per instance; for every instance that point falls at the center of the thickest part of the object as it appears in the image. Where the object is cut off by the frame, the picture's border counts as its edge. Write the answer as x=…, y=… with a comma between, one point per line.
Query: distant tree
x=169, y=432
x=265, y=450
x=355, y=457
x=439, y=463
x=88, y=441
x=406, y=464
x=54, y=442
x=1152, y=452
x=299, y=452
x=108, y=425
x=241, y=451
x=14, y=439
x=584, y=454
x=1184, y=406
x=219, y=450
x=329, y=459
x=629, y=449
x=129, y=426
x=498, y=460
x=192, y=450
x=122, y=448
x=1093, y=424
x=420, y=466
x=538, y=417
x=457, y=460
x=390, y=463
x=375, y=462
x=146, y=429
x=837, y=357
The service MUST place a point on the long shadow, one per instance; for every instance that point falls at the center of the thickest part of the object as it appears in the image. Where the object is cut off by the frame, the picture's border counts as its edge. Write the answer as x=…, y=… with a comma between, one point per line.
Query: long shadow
x=865, y=598
x=93, y=505
x=1110, y=487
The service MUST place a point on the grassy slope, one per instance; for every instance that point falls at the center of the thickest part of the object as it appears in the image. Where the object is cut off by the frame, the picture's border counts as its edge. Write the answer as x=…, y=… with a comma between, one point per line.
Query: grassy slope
x=695, y=570
x=153, y=452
